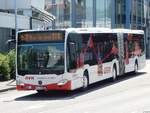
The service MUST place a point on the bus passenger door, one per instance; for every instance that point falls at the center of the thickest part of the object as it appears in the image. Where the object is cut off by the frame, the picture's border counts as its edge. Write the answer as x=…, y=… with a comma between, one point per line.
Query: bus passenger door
x=121, y=53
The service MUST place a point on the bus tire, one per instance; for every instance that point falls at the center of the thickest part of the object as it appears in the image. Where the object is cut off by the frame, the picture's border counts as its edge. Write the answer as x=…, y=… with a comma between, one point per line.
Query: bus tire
x=114, y=73
x=85, y=80
x=136, y=67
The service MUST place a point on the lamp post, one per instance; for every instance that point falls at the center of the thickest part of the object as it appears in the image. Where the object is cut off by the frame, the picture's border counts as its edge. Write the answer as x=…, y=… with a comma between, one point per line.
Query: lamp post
x=16, y=26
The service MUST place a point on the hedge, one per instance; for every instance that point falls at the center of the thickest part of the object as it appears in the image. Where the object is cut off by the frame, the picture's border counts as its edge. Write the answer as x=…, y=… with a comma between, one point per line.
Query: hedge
x=7, y=65
x=12, y=63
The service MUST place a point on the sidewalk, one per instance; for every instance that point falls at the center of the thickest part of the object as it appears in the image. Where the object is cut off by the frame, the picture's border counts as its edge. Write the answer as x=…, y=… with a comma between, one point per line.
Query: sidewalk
x=7, y=85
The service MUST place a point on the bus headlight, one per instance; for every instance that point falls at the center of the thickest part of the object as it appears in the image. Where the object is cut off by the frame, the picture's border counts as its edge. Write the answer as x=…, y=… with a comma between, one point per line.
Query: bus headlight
x=62, y=82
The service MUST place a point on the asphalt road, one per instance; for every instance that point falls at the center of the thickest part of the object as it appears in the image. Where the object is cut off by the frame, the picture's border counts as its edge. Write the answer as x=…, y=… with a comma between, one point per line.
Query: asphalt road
x=129, y=94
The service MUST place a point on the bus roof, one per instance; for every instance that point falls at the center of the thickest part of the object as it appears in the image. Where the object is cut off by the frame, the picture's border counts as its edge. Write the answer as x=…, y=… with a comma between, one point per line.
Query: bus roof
x=74, y=30
x=103, y=30
x=24, y=31
x=89, y=30
x=127, y=31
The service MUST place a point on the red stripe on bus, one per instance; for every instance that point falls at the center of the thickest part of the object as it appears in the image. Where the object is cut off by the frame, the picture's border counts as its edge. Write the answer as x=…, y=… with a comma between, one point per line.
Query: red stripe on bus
x=66, y=86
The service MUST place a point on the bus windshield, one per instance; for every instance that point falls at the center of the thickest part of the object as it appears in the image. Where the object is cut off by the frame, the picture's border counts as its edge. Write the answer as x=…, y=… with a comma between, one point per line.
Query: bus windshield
x=40, y=58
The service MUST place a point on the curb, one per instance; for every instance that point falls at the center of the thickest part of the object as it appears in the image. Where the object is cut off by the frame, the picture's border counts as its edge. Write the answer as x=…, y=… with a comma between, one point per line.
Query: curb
x=7, y=89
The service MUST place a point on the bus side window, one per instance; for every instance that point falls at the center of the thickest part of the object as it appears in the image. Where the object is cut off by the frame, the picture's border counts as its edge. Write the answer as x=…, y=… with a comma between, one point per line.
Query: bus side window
x=74, y=48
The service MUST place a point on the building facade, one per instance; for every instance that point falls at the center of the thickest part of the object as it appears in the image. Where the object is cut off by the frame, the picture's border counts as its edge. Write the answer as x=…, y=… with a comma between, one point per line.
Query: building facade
x=30, y=15
x=147, y=26
x=130, y=14
x=80, y=13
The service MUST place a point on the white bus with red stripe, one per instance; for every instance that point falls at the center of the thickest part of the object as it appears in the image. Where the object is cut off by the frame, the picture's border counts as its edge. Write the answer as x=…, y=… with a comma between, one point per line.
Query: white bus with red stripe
x=76, y=57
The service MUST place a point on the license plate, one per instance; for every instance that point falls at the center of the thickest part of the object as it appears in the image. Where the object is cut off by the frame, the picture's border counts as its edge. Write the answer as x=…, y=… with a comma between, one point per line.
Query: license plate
x=40, y=88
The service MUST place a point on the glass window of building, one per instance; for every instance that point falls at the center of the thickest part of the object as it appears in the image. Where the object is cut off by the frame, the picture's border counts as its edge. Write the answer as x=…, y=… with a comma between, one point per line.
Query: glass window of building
x=103, y=13
x=67, y=13
x=143, y=15
x=137, y=18
x=120, y=13
x=100, y=13
x=108, y=13
x=63, y=13
x=88, y=22
x=134, y=14
x=62, y=10
x=84, y=13
x=80, y=12
x=139, y=13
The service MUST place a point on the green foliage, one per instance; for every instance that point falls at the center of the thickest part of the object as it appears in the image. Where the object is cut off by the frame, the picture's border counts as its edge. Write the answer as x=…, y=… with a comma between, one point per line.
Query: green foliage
x=4, y=67
x=12, y=65
x=7, y=65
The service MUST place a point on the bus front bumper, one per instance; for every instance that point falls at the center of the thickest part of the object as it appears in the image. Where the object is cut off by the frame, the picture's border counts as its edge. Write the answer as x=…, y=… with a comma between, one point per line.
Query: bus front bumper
x=55, y=86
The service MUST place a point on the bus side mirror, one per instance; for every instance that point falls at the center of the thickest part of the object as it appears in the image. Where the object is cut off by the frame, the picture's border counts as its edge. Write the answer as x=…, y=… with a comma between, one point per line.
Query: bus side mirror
x=11, y=41
x=72, y=44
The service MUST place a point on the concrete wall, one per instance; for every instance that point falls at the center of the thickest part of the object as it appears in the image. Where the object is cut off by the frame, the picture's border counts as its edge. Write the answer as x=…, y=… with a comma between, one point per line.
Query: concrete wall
x=37, y=24
x=21, y=4
x=10, y=4
x=38, y=4
x=8, y=21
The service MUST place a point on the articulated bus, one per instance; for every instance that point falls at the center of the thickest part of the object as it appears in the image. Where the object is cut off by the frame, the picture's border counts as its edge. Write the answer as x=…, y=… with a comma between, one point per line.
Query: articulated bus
x=74, y=58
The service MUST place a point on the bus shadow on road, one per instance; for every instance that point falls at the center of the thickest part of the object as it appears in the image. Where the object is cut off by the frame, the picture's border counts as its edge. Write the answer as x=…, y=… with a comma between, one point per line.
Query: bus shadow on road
x=66, y=95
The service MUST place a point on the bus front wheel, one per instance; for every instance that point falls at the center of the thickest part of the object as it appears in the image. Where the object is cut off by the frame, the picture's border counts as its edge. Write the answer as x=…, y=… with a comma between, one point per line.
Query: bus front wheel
x=114, y=73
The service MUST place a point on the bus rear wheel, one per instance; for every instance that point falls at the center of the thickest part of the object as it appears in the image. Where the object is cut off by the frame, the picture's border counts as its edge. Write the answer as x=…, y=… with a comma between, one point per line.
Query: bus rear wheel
x=85, y=81
x=136, y=67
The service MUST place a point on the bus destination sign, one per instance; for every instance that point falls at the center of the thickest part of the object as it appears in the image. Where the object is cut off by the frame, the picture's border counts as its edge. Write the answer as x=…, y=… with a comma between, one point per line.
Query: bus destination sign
x=41, y=37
